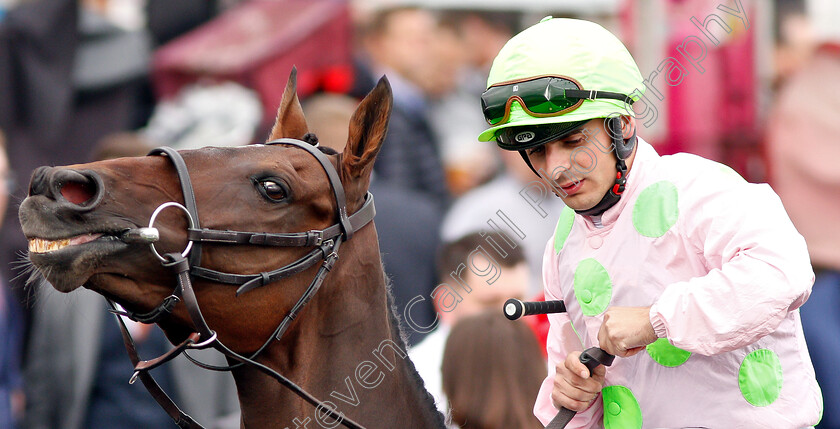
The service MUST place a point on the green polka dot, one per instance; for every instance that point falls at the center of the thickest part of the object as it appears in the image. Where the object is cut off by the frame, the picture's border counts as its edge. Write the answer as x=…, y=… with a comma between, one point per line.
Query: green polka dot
x=656, y=209
x=593, y=288
x=564, y=227
x=621, y=409
x=665, y=354
x=760, y=377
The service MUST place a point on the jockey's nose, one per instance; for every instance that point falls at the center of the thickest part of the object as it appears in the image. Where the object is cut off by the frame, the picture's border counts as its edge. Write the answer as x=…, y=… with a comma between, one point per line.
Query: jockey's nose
x=557, y=158
x=80, y=190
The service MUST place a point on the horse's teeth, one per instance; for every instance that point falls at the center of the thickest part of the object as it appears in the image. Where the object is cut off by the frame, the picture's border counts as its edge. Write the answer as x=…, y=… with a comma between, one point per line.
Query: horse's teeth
x=40, y=245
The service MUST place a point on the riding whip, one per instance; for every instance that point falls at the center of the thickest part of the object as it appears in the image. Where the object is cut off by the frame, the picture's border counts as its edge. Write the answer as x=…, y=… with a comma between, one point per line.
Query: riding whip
x=591, y=357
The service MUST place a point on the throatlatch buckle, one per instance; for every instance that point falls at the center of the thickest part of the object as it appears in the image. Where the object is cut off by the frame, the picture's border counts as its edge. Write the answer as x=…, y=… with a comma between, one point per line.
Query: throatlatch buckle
x=315, y=237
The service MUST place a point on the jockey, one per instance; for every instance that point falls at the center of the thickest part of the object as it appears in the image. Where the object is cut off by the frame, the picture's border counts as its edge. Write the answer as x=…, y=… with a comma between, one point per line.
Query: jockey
x=689, y=274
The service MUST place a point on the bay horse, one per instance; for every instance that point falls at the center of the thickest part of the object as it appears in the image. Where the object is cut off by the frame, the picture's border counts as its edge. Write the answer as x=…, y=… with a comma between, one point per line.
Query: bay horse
x=239, y=234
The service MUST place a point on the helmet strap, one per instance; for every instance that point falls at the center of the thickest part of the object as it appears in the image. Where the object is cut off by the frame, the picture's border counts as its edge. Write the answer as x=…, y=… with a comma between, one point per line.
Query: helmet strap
x=622, y=149
x=524, y=156
x=612, y=196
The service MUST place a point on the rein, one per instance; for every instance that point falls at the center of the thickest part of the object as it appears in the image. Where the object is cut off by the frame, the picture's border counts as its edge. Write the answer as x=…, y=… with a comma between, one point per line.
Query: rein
x=326, y=244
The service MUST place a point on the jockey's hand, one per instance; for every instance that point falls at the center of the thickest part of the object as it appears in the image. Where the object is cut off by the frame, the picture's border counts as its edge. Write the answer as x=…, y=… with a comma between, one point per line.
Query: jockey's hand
x=626, y=331
x=574, y=387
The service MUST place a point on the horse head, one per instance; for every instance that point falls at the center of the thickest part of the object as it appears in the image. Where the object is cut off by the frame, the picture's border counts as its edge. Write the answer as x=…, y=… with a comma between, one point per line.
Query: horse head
x=81, y=221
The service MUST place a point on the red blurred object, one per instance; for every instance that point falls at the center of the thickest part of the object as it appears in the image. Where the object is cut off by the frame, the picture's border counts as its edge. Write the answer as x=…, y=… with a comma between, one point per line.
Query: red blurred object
x=713, y=103
x=539, y=324
x=257, y=43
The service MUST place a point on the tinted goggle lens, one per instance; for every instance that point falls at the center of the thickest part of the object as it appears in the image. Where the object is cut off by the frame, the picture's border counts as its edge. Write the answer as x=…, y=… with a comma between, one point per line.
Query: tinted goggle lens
x=544, y=96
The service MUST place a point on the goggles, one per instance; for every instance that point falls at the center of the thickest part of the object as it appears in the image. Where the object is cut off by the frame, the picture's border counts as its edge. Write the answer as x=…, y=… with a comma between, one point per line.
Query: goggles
x=541, y=96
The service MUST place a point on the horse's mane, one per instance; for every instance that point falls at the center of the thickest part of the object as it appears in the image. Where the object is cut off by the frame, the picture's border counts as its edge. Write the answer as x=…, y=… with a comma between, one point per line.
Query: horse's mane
x=398, y=332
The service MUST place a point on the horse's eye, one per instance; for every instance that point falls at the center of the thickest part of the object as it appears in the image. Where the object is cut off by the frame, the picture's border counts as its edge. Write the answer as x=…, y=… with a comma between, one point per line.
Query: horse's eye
x=273, y=190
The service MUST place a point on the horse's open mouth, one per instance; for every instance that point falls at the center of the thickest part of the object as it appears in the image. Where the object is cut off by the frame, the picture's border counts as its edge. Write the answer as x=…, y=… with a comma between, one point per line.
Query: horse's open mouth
x=42, y=245
x=68, y=262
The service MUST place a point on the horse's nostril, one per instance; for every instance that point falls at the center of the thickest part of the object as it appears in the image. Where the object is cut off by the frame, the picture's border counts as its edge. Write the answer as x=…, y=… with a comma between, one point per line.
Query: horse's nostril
x=73, y=190
x=78, y=193
x=82, y=189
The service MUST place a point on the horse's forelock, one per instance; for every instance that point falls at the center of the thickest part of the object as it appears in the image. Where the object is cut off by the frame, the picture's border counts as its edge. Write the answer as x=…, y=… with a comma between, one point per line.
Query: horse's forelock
x=326, y=150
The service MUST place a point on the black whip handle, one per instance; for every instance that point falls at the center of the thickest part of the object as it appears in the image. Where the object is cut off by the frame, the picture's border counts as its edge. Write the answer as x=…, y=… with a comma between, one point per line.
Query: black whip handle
x=514, y=308
x=591, y=357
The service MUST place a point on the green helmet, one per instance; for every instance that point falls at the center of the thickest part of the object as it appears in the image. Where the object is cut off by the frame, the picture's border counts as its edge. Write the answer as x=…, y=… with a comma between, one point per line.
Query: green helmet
x=581, y=50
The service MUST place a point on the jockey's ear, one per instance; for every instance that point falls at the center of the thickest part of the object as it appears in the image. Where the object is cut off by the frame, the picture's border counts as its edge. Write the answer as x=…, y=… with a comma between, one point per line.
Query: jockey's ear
x=290, y=122
x=367, y=132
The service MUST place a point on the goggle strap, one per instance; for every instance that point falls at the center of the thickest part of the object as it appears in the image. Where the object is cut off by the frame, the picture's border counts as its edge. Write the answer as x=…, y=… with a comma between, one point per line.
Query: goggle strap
x=593, y=94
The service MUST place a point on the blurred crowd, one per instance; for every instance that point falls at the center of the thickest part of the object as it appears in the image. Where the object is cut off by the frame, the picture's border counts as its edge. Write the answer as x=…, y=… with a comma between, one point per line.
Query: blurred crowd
x=82, y=80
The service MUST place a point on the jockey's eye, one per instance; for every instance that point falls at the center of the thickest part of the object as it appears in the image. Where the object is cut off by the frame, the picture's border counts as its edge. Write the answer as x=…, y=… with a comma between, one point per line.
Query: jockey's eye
x=272, y=189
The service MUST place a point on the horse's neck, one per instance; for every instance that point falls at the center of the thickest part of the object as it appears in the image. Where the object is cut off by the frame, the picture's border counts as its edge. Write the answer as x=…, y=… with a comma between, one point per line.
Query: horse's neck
x=347, y=352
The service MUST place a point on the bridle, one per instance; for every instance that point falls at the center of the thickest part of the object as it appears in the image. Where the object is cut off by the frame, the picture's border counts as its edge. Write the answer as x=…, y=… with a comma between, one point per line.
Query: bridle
x=186, y=264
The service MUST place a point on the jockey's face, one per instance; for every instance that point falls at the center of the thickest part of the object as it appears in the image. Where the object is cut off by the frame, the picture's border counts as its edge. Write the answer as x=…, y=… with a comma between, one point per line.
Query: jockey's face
x=582, y=164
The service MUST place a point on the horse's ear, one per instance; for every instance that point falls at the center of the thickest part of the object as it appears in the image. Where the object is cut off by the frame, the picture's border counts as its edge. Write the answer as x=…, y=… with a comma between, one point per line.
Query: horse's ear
x=367, y=132
x=290, y=122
